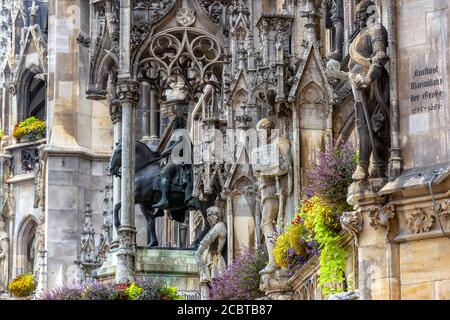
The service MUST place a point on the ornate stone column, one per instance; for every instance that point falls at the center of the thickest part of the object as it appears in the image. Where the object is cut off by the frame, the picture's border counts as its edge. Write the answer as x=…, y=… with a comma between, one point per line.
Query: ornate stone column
x=143, y=113
x=115, y=109
x=128, y=93
x=154, y=109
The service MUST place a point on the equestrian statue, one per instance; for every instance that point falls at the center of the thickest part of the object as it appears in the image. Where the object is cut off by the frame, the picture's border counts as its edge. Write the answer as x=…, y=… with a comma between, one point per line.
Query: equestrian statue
x=169, y=187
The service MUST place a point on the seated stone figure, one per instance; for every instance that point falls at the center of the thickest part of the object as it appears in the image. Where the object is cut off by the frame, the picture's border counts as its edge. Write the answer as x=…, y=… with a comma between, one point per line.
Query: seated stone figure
x=209, y=257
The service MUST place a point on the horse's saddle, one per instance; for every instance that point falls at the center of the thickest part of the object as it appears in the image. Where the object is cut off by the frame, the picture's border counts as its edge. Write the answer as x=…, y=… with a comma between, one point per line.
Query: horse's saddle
x=174, y=187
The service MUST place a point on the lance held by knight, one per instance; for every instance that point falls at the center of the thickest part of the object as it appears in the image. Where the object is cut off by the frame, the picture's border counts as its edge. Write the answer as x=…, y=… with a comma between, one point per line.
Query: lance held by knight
x=370, y=84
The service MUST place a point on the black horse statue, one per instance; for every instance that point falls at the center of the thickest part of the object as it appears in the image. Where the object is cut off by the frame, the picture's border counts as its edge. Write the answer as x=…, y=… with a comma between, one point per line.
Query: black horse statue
x=147, y=168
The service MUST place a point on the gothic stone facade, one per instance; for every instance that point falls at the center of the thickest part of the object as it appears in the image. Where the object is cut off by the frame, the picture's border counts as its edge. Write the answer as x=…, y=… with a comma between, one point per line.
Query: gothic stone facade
x=242, y=61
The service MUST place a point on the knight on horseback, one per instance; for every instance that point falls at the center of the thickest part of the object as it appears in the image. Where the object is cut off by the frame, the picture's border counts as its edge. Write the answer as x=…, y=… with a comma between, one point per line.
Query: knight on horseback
x=178, y=170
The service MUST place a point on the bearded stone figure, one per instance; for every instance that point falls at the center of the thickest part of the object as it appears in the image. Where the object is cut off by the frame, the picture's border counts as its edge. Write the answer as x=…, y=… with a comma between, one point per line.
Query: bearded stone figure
x=209, y=256
x=4, y=255
x=370, y=84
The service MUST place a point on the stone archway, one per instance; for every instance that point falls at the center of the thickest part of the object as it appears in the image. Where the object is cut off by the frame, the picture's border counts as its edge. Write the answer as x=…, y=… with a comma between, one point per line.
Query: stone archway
x=26, y=257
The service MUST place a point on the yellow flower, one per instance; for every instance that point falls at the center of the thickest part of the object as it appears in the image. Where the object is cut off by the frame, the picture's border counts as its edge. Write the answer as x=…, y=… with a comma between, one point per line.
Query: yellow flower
x=23, y=285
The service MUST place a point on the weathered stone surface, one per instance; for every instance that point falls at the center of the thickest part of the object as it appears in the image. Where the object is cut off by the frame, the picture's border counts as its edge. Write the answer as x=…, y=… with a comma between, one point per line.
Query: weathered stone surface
x=419, y=291
x=425, y=261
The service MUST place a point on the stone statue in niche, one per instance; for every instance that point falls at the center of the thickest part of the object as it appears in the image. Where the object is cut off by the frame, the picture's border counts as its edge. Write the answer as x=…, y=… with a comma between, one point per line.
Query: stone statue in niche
x=273, y=167
x=209, y=256
x=4, y=257
x=370, y=85
x=335, y=15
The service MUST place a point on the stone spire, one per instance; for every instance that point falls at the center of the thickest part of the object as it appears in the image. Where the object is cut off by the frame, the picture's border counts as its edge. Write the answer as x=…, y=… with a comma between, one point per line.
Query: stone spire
x=88, y=258
x=311, y=14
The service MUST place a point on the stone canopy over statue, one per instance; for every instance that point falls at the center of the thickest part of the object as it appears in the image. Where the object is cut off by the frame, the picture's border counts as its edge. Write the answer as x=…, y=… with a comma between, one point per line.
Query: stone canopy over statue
x=370, y=85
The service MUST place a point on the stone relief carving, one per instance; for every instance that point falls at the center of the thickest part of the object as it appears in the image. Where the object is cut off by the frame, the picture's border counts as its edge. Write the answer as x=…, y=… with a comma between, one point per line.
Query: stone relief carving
x=352, y=222
x=29, y=157
x=445, y=209
x=185, y=17
x=380, y=216
x=419, y=220
x=146, y=14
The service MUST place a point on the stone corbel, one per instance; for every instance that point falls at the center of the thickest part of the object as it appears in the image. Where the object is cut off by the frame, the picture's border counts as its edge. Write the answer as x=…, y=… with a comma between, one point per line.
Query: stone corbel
x=352, y=222
x=380, y=216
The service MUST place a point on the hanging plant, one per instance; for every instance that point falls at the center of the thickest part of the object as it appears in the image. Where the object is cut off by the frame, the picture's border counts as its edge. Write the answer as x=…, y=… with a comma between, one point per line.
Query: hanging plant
x=31, y=129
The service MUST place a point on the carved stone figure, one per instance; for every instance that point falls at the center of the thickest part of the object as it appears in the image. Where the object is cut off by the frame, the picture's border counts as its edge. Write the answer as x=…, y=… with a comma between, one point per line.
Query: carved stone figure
x=4, y=257
x=370, y=84
x=336, y=16
x=273, y=168
x=209, y=256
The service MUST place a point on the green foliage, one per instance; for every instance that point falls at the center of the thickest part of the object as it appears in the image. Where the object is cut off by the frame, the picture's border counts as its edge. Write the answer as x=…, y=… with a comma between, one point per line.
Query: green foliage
x=170, y=293
x=315, y=226
x=332, y=257
x=134, y=291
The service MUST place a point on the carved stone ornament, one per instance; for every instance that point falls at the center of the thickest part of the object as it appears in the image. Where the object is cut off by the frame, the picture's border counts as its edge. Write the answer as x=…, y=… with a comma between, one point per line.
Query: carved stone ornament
x=420, y=220
x=446, y=209
x=443, y=209
x=128, y=91
x=379, y=217
x=186, y=17
x=115, y=110
x=352, y=222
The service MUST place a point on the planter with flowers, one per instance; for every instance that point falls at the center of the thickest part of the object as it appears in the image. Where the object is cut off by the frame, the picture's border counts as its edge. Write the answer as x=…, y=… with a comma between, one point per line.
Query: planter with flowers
x=315, y=229
x=31, y=129
x=23, y=286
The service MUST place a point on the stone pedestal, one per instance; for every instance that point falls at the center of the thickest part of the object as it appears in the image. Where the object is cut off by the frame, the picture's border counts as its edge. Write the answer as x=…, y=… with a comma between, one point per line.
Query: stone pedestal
x=176, y=267
x=377, y=254
x=276, y=286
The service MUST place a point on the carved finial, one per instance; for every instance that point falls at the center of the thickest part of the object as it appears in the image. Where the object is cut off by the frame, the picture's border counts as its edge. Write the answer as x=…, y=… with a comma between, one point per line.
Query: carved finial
x=311, y=14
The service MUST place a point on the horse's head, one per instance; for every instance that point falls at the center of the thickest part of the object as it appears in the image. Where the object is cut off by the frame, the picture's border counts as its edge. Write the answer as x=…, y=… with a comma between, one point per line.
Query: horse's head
x=116, y=161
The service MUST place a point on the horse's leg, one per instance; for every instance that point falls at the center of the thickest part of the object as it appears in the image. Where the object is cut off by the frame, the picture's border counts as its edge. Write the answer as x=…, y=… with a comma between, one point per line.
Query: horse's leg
x=152, y=231
x=151, y=225
x=116, y=215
